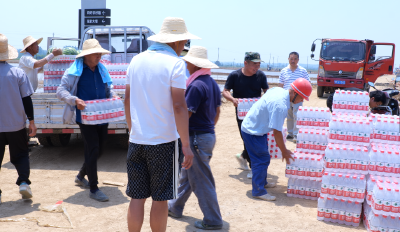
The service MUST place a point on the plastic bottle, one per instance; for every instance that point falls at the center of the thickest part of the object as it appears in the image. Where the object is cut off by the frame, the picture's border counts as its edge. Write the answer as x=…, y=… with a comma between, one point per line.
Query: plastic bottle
x=321, y=208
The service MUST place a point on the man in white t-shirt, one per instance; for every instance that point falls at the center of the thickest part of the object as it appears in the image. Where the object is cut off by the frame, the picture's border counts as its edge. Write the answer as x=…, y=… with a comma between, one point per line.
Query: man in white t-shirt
x=157, y=117
x=30, y=65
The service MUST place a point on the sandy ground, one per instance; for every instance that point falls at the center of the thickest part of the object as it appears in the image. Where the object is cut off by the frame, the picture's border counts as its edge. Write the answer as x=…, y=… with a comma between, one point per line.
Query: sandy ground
x=53, y=171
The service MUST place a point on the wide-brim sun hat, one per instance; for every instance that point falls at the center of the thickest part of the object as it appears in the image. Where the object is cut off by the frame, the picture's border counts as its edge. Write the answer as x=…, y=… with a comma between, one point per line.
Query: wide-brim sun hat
x=7, y=52
x=28, y=41
x=197, y=55
x=172, y=30
x=92, y=46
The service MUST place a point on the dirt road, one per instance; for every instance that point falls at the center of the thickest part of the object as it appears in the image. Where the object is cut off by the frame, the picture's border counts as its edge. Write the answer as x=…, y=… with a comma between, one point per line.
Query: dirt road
x=53, y=171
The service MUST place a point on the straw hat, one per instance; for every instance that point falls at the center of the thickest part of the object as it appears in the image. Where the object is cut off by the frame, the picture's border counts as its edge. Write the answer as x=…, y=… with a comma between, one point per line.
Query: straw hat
x=198, y=56
x=28, y=41
x=91, y=46
x=7, y=52
x=172, y=30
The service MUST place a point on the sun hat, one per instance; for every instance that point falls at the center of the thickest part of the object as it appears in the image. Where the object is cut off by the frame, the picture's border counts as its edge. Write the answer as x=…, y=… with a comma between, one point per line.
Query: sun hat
x=91, y=46
x=28, y=41
x=253, y=56
x=197, y=55
x=7, y=52
x=172, y=30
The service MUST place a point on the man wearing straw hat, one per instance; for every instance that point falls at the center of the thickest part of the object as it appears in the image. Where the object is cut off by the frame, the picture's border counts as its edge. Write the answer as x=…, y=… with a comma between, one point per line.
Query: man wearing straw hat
x=156, y=113
x=16, y=108
x=30, y=65
x=203, y=99
x=87, y=79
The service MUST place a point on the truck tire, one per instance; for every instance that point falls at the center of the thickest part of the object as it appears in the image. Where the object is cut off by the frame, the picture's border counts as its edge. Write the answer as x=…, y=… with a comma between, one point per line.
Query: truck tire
x=119, y=140
x=320, y=91
x=60, y=140
x=44, y=140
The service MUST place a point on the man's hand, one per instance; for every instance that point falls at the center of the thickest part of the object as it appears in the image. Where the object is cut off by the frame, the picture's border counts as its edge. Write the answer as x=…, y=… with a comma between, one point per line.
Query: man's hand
x=80, y=104
x=287, y=155
x=235, y=102
x=188, y=161
x=32, y=128
x=57, y=52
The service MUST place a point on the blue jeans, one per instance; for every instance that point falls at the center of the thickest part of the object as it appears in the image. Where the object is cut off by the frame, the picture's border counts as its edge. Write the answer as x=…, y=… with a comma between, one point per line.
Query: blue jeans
x=292, y=118
x=257, y=147
x=199, y=179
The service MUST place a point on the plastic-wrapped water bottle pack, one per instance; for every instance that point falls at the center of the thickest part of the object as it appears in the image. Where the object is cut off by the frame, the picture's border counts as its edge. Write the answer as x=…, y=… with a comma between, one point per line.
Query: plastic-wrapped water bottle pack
x=103, y=111
x=343, y=186
x=339, y=211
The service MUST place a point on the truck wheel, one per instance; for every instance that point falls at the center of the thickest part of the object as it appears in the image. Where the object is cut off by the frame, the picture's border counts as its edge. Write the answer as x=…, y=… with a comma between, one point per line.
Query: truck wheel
x=320, y=91
x=44, y=140
x=121, y=140
x=60, y=140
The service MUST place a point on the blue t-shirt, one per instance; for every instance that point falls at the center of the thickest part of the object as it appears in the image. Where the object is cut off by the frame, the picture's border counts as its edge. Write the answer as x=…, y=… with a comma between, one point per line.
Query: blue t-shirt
x=203, y=96
x=90, y=87
x=268, y=113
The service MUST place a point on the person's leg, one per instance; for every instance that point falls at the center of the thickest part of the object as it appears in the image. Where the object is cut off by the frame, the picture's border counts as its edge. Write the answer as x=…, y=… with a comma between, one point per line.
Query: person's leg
x=295, y=109
x=159, y=216
x=91, y=140
x=290, y=120
x=135, y=215
x=184, y=191
x=19, y=154
x=260, y=157
x=202, y=181
x=3, y=142
x=245, y=154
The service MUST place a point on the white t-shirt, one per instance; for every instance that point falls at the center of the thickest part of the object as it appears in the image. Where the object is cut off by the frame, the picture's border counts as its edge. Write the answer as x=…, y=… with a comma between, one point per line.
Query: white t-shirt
x=26, y=63
x=151, y=74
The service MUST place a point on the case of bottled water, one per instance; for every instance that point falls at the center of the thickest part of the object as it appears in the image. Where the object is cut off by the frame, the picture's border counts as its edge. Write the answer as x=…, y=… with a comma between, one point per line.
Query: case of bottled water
x=119, y=82
x=103, y=111
x=313, y=117
x=385, y=199
x=376, y=222
x=244, y=106
x=117, y=68
x=350, y=101
x=347, y=158
x=339, y=211
x=54, y=70
x=305, y=166
x=384, y=160
x=306, y=189
x=312, y=140
x=386, y=129
x=343, y=186
x=274, y=150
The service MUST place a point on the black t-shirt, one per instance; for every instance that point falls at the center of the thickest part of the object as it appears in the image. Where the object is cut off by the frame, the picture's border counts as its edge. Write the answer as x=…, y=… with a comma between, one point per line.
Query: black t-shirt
x=246, y=86
x=329, y=101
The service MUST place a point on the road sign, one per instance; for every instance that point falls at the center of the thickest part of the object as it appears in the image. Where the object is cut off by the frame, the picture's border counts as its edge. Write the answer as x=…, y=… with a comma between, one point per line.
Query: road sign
x=97, y=21
x=97, y=12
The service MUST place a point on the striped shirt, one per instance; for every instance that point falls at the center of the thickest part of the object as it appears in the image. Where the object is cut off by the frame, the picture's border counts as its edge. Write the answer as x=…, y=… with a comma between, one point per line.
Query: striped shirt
x=287, y=76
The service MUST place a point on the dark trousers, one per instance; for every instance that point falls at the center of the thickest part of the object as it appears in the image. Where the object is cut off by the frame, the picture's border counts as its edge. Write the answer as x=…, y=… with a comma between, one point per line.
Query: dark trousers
x=94, y=137
x=245, y=154
x=19, y=153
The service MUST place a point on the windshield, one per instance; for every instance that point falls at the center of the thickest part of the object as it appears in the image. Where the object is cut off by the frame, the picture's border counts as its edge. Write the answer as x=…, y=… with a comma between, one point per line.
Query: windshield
x=343, y=51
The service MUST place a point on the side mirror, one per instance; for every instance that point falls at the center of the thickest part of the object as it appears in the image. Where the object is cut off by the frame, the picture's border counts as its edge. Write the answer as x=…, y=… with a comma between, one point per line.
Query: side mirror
x=313, y=47
x=371, y=84
x=373, y=50
x=312, y=56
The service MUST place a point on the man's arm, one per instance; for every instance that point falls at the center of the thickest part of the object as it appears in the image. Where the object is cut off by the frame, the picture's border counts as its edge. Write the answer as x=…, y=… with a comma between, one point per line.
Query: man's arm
x=182, y=124
x=217, y=116
x=28, y=107
x=227, y=95
x=127, y=105
x=42, y=62
x=286, y=154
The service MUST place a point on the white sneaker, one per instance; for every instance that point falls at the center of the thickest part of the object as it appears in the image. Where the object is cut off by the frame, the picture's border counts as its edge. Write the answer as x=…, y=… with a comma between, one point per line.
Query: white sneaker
x=295, y=138
x=250, y=175
x=25, y=191
x=242, y=162
x=270, y=185
x=266, y=197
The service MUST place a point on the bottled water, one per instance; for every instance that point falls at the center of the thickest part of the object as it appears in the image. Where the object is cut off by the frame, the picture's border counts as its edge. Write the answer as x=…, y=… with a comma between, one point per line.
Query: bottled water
x=385, y=198
x=305, y=166
x=312, y=140
x=103, y=111
x=244, y=104
x=347, y=158
x=350, y=101
x=384, y=160
x=348, y=187
x=386, y=129
x=273, y=148
x=350, y=129
x=376, y=222
x=339, y=211
x=313, y=117
x=306, y=189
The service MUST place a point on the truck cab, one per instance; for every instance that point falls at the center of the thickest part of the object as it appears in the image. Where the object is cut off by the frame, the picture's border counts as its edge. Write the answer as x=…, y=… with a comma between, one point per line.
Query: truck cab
x=345, y=63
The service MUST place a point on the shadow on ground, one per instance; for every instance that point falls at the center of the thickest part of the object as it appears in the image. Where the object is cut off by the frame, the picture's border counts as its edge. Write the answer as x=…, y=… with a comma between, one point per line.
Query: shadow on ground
x=191, y=220
x=82, y=198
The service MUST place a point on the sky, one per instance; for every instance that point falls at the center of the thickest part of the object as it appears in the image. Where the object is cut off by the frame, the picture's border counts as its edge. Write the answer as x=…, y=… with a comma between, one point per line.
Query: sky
x=273, y=28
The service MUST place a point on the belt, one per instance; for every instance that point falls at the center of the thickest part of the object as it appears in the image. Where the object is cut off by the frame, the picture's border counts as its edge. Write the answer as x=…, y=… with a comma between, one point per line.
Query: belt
x=191, y=133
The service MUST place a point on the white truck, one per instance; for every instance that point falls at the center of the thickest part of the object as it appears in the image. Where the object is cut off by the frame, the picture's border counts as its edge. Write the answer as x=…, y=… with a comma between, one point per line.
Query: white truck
x=124, y=42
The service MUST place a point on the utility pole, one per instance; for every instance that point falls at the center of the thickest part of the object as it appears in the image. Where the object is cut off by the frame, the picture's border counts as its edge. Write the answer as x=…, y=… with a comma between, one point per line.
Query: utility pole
x=269, y=62
x=307, y=63
x=273, y=62
x=218, y=55
x=277, y=62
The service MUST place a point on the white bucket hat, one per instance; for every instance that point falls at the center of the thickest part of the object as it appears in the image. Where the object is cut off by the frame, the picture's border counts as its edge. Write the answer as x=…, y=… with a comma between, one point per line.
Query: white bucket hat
x=7, y=52
x=197, y=55
x=91, y=46
x=28, y=41
x=172, y=30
